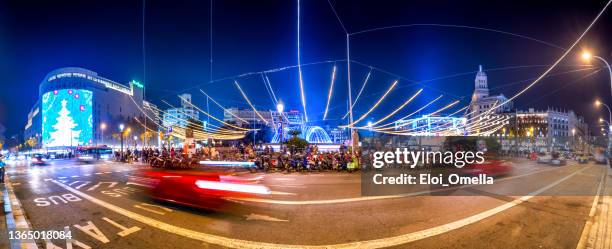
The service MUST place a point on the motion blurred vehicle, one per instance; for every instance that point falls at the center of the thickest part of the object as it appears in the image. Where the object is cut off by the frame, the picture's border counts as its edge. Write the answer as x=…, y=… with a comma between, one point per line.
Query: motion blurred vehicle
x=544, y=158
x=600, y=158
x=557, y=159
x=52, y=155
x=207, y=187
x=491, y=167
x=38, y=159
x=582, y=158
x=94, y=153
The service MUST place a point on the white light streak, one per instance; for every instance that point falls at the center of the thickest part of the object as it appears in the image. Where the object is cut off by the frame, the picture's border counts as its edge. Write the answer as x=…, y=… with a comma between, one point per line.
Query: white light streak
x=302, y=95
x=398, y=109
x=331, y=89
x=373, y=107
x=249, y=102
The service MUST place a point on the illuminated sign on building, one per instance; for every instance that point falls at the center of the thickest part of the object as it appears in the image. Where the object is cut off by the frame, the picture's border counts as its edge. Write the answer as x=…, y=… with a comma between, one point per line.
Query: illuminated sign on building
x=137, y=84
x=67, y=118
x=105, y=82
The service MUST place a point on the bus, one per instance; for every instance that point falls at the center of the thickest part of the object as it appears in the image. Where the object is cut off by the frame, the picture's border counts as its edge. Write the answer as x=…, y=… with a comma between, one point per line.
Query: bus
x=94, y=153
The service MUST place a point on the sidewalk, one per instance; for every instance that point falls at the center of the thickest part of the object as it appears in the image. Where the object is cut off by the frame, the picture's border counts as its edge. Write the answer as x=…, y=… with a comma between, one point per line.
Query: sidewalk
x=597, y=233
x=13, y=219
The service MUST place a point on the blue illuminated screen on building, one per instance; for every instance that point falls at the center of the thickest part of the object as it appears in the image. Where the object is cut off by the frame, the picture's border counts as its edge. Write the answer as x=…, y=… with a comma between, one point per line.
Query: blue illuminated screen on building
x=67, y=118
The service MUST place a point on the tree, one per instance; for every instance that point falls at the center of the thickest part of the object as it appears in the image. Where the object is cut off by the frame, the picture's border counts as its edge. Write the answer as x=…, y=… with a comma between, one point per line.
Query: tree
x=297, y=143
x=64, y=133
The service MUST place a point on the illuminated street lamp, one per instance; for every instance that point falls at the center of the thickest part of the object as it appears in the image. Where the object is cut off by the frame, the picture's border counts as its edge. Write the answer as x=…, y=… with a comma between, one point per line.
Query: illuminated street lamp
x=102, y=128
x=586, y=56
x=279, y=108
x=121, y=127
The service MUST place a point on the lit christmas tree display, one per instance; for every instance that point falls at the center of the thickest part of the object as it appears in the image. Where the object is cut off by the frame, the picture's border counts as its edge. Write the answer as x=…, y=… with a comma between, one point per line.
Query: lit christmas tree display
x=67, y=118
x=64, y=133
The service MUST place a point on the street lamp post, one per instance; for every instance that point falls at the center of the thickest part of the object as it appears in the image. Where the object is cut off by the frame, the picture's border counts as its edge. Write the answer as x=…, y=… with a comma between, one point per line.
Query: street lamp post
x=587, y=56
x=279, y=108
x=121, y=127
x=102, y=128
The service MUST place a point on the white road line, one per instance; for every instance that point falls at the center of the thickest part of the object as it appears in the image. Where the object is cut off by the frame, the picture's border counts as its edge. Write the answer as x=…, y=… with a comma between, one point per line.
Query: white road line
x=376, y=243
x=373, y=198
x=152, y=210
x=281, y=193
x=98, y=173
x=288, y=186
x=261, y=217
x=110, y=185
x=74, y=176
x=62, y=177
x=589, y=222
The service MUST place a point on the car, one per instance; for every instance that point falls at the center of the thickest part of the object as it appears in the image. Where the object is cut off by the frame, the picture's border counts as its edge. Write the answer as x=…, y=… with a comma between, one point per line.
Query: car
x=600, y=158
x=582, y=159
x=544, y=158
x=557, y=158
x=558, y=161
x=38, y=159
x=490, y=167
x=196, y=187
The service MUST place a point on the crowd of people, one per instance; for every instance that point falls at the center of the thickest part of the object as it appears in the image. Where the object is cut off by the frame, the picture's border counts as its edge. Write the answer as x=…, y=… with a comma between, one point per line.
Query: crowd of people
x=264, y=157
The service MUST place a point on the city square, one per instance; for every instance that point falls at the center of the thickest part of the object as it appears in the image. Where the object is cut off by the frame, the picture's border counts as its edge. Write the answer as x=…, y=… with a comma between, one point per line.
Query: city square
x=379, y=124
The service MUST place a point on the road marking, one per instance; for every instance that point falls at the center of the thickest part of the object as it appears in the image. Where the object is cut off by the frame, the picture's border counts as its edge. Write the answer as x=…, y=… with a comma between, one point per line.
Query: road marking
x=108, y=172
x=376, y=243
x=111, y=184
x=98, y=173
x=261, y=217
x=62, y=177
x=124, y=230
x=80, y=186
x=87, y=174
x=152, y=210
x=373, y=198
x=92, y=230
x=589, y=222
x=74, y=176
x=287, y=186
x=281, y=193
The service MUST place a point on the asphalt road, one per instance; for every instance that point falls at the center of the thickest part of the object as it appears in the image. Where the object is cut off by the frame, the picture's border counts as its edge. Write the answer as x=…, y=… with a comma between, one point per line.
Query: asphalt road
x=312, y=209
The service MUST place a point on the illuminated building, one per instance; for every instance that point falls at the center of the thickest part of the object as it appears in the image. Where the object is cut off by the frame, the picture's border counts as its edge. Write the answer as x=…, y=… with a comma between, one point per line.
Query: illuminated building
x=549, y=123
x=180, y=115
x=78, y=107
x=481, y=100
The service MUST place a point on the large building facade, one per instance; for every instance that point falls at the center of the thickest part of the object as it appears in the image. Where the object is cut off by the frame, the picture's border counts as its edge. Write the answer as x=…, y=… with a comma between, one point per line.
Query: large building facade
x=180, y=116
x=483, y=102
x=77, y=107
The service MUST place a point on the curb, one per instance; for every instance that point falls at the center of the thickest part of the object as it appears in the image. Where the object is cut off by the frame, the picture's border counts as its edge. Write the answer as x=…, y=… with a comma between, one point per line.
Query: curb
x=15, y=217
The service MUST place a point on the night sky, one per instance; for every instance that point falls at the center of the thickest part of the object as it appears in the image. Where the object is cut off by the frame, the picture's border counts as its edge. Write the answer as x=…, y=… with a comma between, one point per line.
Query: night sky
x=250, y=36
